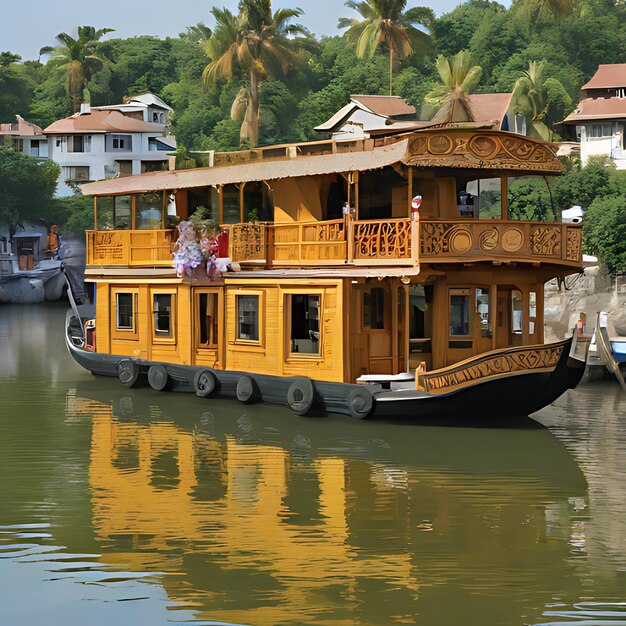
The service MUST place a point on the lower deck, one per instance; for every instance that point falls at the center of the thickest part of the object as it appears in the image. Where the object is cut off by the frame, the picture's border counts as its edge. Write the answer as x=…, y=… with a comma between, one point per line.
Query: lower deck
x=329, y=329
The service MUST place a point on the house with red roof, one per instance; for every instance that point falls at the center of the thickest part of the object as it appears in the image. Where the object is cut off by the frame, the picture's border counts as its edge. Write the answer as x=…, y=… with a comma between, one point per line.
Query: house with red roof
x=599, y=118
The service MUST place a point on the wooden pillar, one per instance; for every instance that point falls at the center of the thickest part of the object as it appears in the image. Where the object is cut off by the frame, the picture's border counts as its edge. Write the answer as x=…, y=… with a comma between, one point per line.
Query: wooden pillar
x=133, y=208
x=95, y=213
x=440, y=328
x=163, y=208
x=394, y=324
x=504, y=198
x=410, y=191
x=241, y=207
x=493, y=314
x=539, y=321
x=220, y=202
x=356, y=193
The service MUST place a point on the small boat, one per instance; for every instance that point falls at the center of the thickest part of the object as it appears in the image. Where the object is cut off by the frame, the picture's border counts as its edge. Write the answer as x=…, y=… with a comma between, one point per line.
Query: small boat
x=609, y=351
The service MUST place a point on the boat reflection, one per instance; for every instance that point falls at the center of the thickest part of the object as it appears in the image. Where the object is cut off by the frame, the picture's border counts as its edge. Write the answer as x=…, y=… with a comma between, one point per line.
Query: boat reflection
x=262, y=517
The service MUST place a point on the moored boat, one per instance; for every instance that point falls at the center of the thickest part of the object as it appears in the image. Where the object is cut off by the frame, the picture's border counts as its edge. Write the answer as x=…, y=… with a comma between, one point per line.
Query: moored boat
x=405, y=303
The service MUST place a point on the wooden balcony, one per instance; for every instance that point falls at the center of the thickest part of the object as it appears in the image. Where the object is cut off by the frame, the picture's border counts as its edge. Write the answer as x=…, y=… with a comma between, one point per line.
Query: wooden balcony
x=393, y=242
x=450, y=241
x=132, y=248
x=334, y=242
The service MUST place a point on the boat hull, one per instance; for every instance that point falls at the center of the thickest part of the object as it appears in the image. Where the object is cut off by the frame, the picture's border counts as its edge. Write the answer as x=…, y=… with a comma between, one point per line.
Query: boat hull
x=489, y=401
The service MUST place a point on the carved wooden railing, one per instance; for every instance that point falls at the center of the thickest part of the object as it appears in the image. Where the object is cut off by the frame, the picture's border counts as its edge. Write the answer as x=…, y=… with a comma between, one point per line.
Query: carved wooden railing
x=454, y=240
x=248, y=241
x=134, y=248
x=491, y=365
x=310, y=242
x=382, y=239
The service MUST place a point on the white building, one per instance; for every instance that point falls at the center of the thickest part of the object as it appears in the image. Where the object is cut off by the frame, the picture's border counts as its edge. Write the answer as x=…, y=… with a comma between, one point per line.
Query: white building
x=110, y=141
x=24, y=137
x=600, y=116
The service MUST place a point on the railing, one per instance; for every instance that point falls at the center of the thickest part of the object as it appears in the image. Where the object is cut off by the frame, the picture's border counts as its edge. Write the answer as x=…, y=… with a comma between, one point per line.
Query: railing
x=376, y=239
x=130, y=247
x=454, y=240
x=333, y=242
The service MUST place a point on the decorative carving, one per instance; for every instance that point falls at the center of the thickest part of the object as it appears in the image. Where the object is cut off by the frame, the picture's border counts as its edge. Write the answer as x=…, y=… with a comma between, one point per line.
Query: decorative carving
x=108, y=246
x=545, y=241
x=493, y=364
x=461, y=241
x=512, y=239
x=248, y=242
x=382, y=240
x=574, y=244
x=480, y=149
x=488, y=239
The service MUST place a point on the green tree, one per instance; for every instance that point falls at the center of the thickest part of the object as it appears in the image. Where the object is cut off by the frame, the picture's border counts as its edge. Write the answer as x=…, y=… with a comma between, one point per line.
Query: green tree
x=532, y=96
x=16, y=87
x=80, y=59
x=27, y=186
x=255, y=42
x=386, y=22
x=458, y=79
x=605, y=231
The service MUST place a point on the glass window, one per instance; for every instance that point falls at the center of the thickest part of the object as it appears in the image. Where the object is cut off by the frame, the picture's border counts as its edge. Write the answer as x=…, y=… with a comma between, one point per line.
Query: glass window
x=532, y=309
x=482, y=199
x=162, y=312
x=258, y=202
x=305, y=324
x=121, y=212
x=207, y=320
x=104, y=212
x=248, y=318
x=459, y=312
x=230, y=198
x=374, y=308
x=149, y=208
x=482, y=307
x=516, y=310
x=125, y=315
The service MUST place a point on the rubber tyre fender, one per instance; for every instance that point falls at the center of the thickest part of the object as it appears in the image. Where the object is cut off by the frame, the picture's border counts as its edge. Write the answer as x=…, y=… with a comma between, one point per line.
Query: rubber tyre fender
x=301, y=395
x=247, y=390
x=360, y=403
x=158, y=378
x=128, y=372
x=206, y=383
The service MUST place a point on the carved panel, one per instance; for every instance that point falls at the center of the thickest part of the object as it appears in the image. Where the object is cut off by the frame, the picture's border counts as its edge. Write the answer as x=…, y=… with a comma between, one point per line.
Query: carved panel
x=382, y=240
x=481, y=150
x=574, y=244
x=248, y=242
x=496, y=364
x=109, y=247
x=545, y=240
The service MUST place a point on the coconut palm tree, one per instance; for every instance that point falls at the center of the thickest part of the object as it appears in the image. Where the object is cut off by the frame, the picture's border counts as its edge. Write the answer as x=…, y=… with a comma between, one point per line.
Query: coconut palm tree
x=253, y=44
x=530, y=11
x=200, y=34
x=533, y=94
x=80, y=58
x=386, y=22
x=458, y=79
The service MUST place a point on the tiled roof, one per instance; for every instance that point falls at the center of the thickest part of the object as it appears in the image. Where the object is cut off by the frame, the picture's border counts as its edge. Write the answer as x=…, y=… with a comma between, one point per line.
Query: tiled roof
x=101, y=121
x=608, y=76
x=597, y=109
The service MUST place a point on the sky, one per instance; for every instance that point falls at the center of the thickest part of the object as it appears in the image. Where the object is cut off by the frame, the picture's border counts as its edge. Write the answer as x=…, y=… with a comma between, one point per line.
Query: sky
x=35, y=23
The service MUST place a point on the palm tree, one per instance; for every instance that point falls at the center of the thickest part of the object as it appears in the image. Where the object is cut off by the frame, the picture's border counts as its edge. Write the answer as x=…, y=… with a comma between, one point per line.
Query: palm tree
x=200, y=33
x=458, y=79
x=255, y=43
x=531, y=10
x=530, y=100
x=386, y=22
x=80, y=58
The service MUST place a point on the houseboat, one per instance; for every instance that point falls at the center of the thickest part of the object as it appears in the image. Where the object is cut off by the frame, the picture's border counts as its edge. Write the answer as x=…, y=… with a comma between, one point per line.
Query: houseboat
x=376, y=277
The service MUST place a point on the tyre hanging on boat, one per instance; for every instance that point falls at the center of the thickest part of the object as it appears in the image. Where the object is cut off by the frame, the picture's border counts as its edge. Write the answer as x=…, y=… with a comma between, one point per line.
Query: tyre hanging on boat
x=128, y=372
x=360, y=403
x=301, y=396
x=247, y=390
x=206, y=383
x=158, y=378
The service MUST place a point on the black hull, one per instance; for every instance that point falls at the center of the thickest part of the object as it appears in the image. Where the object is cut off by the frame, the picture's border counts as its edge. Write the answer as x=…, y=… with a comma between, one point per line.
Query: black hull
x=491, y=402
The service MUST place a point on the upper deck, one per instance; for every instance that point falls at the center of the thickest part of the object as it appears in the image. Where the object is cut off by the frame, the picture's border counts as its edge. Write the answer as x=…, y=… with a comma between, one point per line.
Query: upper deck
x=282, y=205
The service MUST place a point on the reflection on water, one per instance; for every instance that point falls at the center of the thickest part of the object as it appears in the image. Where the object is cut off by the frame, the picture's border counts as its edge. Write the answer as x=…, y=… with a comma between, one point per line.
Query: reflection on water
x=138, y=507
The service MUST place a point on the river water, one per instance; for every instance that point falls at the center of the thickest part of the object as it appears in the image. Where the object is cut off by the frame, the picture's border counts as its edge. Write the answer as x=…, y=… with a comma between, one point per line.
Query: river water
x=132, y=507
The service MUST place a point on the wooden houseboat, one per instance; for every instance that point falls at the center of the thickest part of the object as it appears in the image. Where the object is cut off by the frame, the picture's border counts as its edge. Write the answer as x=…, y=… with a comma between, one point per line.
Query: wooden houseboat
x=374, y=277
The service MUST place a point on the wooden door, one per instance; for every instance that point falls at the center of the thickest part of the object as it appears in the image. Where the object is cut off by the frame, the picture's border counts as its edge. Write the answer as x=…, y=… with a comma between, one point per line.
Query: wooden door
x=503, y=318
x=208, y=327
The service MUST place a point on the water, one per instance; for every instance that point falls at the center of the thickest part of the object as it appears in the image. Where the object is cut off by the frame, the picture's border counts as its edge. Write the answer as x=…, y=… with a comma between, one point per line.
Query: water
x=133, y=507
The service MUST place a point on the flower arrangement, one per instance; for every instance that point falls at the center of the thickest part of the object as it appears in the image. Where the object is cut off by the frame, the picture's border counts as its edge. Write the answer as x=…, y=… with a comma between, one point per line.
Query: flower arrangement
x=197, y=245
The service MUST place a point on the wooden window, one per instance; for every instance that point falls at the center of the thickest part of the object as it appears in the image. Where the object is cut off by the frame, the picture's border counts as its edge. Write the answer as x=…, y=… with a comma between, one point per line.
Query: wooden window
x=126, y=311
x=304, y=324
x=162, y=312
x=532, y=312
x=207, y=320
x=374, y=309
x=460, y=323
x=248, y=318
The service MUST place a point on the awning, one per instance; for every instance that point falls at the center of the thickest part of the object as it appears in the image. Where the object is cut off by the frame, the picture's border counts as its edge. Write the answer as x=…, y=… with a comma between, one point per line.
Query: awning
x=251, y=171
